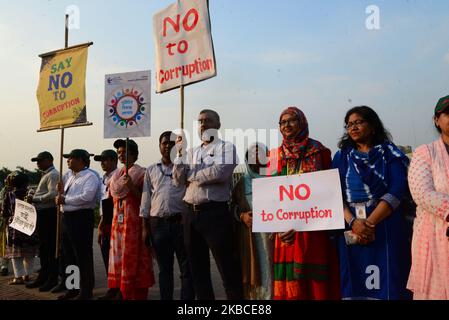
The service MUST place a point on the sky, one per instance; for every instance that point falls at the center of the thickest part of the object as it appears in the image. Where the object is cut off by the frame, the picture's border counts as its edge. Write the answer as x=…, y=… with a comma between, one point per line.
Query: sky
x=316, y=55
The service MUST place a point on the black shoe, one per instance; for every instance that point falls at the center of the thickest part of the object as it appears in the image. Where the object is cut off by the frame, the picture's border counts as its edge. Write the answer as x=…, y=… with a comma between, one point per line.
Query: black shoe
x=59, y=288
x=71, y=294
x=36, y=283
x=83, y=295
x=111, y=294
x=4, y=272
x=47, y=286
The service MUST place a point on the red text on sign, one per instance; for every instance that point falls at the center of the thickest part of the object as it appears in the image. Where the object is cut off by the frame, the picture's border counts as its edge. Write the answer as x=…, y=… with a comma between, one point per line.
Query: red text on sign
x=187, y=24
x=182, y=47
x=301, y=192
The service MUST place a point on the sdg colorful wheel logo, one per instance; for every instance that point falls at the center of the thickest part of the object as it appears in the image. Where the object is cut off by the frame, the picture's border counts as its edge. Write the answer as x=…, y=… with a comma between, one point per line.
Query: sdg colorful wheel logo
x=127, y=108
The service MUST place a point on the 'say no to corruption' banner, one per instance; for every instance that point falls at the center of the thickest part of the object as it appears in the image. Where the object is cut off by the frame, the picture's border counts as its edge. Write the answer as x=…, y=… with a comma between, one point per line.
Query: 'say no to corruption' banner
x=307, y=202
x=127, y=105
x=184, y=48
x=61, y=92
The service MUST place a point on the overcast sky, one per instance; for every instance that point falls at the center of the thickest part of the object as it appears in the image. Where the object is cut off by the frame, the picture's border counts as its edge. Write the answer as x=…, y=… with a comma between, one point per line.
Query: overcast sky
x=317, y=55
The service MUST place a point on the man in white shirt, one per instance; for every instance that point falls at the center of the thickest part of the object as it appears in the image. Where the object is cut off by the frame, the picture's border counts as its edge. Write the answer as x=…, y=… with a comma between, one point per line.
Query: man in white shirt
x=79, y=197
x=207, y=171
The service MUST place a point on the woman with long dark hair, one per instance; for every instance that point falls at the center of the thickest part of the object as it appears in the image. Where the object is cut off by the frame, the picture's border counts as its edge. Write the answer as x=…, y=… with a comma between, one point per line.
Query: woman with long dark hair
x=374, y=263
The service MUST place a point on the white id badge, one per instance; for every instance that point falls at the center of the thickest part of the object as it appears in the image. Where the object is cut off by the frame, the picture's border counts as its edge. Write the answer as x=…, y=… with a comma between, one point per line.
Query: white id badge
x=121, y=218
x=360, y=211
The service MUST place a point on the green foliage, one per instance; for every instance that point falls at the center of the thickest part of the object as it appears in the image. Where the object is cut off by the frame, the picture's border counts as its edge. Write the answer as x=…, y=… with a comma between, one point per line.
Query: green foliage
x=4, y=172
x=33, y=176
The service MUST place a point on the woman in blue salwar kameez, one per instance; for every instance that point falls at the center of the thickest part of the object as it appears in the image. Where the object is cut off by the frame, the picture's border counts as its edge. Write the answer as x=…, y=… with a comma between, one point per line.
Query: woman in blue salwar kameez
x=374, y=255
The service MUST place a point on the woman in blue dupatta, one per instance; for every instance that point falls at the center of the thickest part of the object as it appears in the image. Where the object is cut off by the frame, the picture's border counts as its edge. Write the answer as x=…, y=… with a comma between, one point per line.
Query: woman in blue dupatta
x=374, y=256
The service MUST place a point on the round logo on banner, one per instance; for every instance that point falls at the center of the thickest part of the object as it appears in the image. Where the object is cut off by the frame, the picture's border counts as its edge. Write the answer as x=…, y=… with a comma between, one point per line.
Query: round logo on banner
x=127, y=108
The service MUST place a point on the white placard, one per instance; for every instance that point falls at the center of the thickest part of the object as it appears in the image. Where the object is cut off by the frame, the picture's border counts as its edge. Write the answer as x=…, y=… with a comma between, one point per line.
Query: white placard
x=127, y=111
x=184, y=47
x=25, y=218
x=307, y=202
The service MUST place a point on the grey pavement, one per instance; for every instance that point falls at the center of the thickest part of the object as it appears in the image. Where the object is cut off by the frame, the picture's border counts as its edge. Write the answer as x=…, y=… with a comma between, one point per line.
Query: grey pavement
x=19, y=292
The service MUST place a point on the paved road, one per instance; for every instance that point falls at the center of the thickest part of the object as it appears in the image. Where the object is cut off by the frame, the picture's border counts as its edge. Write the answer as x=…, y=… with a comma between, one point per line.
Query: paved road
x=8, y=292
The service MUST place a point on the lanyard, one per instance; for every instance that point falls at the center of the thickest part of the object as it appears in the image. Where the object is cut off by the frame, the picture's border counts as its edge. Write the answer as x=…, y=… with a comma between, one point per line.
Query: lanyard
x=163, y=173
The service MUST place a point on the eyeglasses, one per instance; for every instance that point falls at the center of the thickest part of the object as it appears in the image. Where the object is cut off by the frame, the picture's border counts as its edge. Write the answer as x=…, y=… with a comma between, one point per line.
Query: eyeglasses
x=288, y=122
x=207, y=120
x=355, y=123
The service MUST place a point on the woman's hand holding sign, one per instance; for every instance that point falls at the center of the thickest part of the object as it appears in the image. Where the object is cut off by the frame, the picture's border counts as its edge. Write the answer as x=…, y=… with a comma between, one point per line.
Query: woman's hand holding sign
x=287, y=237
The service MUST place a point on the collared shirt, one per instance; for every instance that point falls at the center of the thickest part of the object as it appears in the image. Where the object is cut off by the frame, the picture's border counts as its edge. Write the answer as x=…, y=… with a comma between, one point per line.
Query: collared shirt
x=47, y=190
x=81, y=190
x=161, y=197
x=105, y=188
x=207, y=170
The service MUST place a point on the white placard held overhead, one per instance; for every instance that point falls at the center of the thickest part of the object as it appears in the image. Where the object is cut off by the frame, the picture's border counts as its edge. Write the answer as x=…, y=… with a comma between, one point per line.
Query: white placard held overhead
x=184, y=47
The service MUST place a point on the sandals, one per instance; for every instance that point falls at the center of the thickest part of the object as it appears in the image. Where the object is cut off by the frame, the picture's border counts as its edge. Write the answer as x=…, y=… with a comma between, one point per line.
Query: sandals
x=16, y=281
x=19, y=281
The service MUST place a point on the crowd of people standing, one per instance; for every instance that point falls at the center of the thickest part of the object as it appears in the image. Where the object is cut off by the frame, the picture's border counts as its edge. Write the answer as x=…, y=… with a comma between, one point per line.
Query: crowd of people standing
x=186, y=206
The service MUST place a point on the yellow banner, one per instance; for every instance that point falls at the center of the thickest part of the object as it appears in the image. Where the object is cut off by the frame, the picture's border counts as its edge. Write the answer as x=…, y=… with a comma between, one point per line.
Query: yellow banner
x=61, y=92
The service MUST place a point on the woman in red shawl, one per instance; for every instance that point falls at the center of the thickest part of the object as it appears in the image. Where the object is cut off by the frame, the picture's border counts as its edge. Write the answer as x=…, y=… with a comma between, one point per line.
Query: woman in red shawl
x=305, y=263
x=130, y=263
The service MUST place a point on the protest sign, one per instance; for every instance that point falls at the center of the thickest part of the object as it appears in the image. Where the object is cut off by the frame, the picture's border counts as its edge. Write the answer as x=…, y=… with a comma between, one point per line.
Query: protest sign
x=25, y=218
x=61, y=91
x=127, y=105
x=184, y=47
x=306, y=202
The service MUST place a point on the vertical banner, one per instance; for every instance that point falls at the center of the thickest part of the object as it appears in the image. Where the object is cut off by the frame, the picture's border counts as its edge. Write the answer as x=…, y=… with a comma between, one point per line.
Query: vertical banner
x=127, y=112
x=61, y=92
x=184, y=47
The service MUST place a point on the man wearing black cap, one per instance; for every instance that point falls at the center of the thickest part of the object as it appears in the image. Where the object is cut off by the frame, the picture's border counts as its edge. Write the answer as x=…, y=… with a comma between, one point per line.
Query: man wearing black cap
x=43, y=200
x=79, y=196
x=108, y=160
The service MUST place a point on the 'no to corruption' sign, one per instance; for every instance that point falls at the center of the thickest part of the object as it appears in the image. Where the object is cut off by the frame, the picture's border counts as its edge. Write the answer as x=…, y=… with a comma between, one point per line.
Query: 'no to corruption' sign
x=307, y=202
x=184, y=48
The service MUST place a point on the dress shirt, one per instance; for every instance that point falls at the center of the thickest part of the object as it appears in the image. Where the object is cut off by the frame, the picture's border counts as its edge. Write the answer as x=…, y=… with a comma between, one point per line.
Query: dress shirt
x=161, y=197
x=81, y=190
x=207, y=170
x=47, y=190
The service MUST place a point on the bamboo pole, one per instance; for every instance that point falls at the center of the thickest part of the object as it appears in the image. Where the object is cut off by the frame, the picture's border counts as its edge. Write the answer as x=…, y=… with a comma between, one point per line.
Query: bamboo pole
x=182, y=106
x=61, y=157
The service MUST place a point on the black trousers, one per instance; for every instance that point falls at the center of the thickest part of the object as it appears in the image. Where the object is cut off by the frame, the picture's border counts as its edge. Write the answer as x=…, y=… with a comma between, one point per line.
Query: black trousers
x=167, y=240
x=104, y=247
x=212, y=229
x=77, y=240
x=46, y=230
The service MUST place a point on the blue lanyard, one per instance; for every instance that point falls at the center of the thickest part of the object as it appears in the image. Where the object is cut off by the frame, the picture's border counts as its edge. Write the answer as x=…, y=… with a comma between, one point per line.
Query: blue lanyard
x=163, y=173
